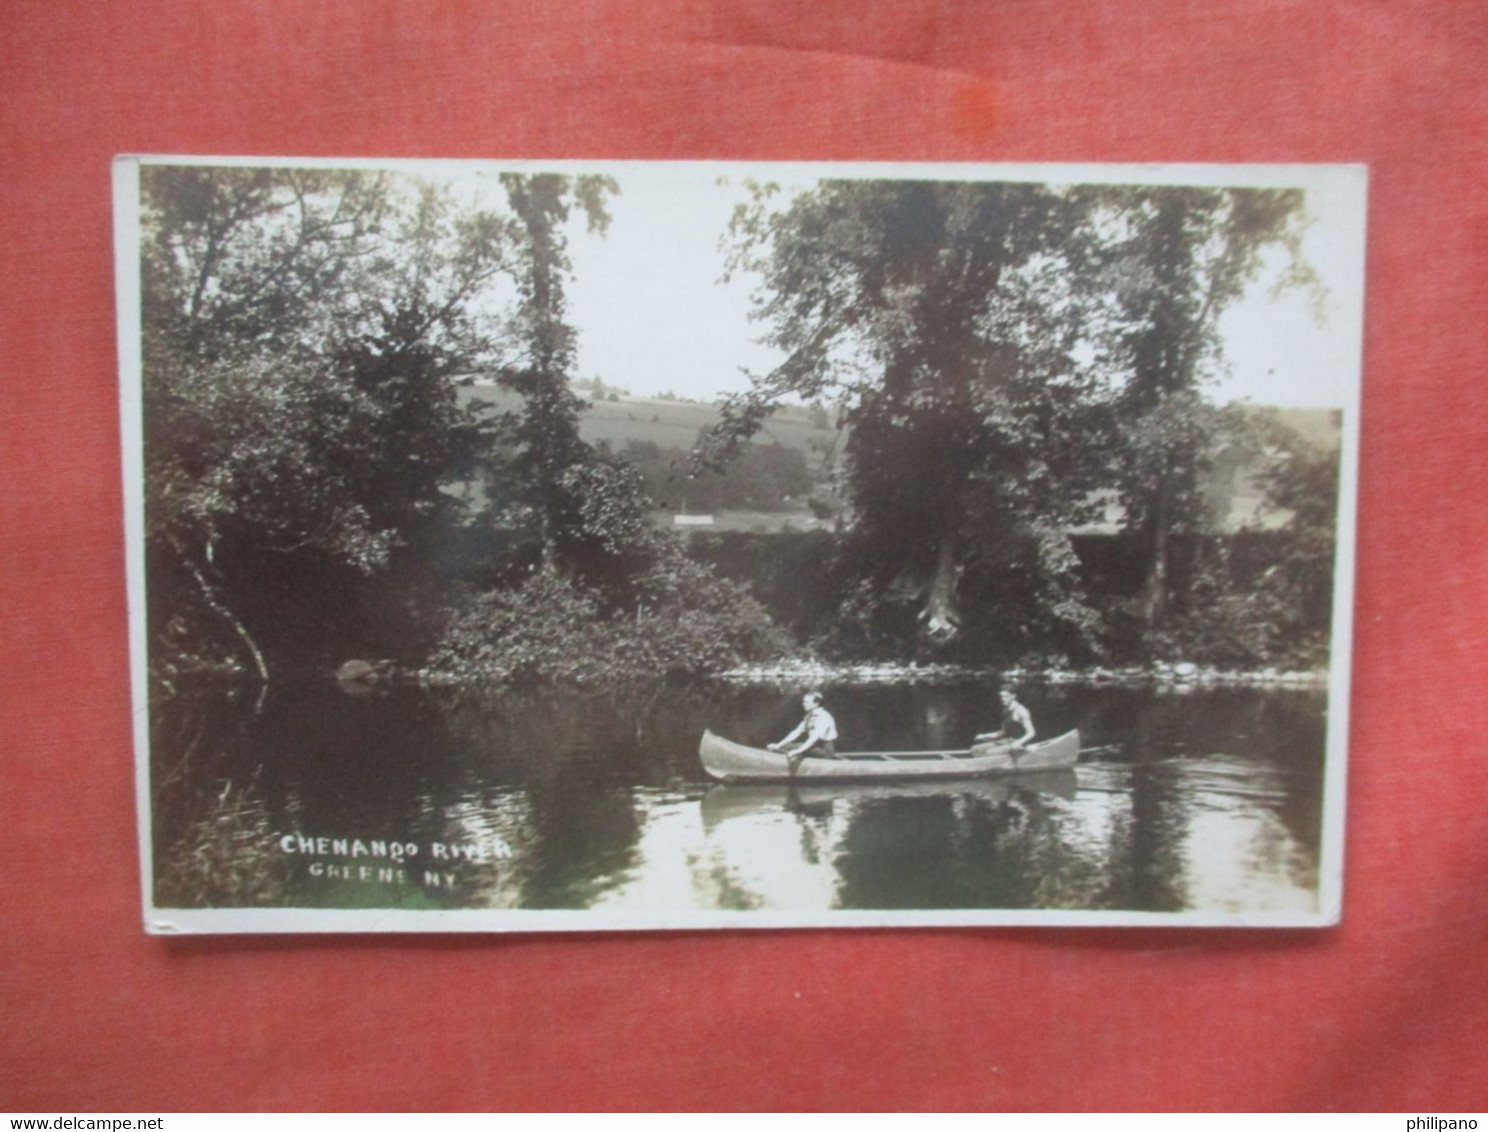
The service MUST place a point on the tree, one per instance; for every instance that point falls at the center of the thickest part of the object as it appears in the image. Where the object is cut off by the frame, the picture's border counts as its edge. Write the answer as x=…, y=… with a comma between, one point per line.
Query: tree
x=1002, y=352
x=943, y=319
x=304, y=331
x=1279, y=597
x=550, y=466
x=1174, y=259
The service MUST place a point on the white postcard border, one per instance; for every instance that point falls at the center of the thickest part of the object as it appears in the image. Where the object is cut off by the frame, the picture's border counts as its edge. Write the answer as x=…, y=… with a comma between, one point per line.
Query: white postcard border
x=1347, y=186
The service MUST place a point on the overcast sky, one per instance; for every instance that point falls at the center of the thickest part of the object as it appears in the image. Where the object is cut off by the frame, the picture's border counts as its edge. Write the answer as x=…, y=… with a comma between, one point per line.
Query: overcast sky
x=653, y=315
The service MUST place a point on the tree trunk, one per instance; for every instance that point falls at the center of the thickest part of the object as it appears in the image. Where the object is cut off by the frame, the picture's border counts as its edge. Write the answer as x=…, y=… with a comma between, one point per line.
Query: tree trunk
x=219, y=607
x=1154, y=596
x=941, y=616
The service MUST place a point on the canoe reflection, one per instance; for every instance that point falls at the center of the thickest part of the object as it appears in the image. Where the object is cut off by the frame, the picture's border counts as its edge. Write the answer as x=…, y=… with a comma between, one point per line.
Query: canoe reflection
x=733, y=800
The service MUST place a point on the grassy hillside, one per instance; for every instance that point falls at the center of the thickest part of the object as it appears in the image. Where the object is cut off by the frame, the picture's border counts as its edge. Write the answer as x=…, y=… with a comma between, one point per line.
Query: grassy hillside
x=674, y=424
x=1232, y=488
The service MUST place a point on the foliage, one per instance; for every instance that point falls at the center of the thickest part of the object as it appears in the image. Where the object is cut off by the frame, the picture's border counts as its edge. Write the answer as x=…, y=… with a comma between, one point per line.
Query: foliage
x=1264, y=597
x=306, y=337
x=1168, y=262
x=226, y=859
x=304, y=332
x=534, y=475
x=794, y=574
x=685, y=622
x=285, y=342
x=1001, y=354
x=939, y=316
x=761, y=477
x=1292, y=596
x=1304, y=482
x=1000, y=361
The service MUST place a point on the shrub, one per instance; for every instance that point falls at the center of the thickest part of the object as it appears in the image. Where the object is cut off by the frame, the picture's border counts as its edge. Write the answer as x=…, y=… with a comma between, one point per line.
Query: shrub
x=684, y=621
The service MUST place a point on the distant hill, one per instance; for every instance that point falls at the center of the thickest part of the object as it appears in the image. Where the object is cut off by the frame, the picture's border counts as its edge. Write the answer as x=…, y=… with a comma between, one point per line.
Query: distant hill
x=1232, y=486
x=676, y=424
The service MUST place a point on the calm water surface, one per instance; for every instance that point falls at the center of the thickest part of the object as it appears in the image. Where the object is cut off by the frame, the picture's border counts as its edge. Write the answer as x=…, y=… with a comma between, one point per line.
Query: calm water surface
x=470, y=798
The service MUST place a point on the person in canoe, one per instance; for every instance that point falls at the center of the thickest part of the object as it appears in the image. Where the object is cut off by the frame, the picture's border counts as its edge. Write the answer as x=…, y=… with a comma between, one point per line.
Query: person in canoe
x=1014, y=717
x=817, y=734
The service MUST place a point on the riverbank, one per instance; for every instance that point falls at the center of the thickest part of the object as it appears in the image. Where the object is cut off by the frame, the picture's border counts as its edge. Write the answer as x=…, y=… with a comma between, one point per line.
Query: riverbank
x=357, y=675
x=1182, y=674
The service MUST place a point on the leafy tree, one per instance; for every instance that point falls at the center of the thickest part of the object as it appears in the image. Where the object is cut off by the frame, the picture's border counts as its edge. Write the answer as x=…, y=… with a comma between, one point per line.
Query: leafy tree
x=305, y=337
x=546, y=430
x=942, y=318
x=1002, y=352
x=1279, y=598
x=605, y=596
x=1173, y=259
x=303, y=334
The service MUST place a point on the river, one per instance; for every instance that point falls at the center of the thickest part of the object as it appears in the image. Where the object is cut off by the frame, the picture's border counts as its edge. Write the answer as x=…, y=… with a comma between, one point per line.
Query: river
x=1204, y=800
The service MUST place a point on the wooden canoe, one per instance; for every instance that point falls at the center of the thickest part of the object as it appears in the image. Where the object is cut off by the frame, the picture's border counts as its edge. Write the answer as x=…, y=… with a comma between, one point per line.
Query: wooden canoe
x=734, y=762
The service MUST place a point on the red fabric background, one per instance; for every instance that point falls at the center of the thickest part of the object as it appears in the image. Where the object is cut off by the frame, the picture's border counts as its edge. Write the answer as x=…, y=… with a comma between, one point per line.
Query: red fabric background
x=1388, y=1011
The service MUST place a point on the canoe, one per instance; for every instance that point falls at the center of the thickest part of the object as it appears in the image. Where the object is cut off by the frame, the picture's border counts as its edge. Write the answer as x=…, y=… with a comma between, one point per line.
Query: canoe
x=734, y=762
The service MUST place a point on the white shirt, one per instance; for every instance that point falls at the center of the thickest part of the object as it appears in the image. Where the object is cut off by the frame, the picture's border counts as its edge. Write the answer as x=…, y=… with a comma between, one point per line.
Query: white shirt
x=818, y=727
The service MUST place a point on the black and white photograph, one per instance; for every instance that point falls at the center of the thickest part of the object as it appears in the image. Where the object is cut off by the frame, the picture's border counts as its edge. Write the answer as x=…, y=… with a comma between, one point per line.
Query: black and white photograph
x=623, y=545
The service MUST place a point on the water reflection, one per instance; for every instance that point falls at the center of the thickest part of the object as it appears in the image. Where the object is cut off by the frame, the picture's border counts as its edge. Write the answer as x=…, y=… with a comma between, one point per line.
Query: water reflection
x=1208, y=802
x=725, y=801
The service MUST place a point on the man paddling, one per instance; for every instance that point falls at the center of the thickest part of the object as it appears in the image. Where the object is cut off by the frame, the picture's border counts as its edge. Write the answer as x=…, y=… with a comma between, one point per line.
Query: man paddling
x=1014, y=715
x=817, y=733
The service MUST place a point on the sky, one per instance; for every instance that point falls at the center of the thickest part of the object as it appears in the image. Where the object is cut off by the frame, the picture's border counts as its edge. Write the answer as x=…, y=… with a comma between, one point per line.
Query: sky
x=654, y=315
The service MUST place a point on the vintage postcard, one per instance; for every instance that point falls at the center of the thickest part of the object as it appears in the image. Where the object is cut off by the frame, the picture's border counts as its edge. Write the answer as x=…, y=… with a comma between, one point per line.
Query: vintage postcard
x=547, y=546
